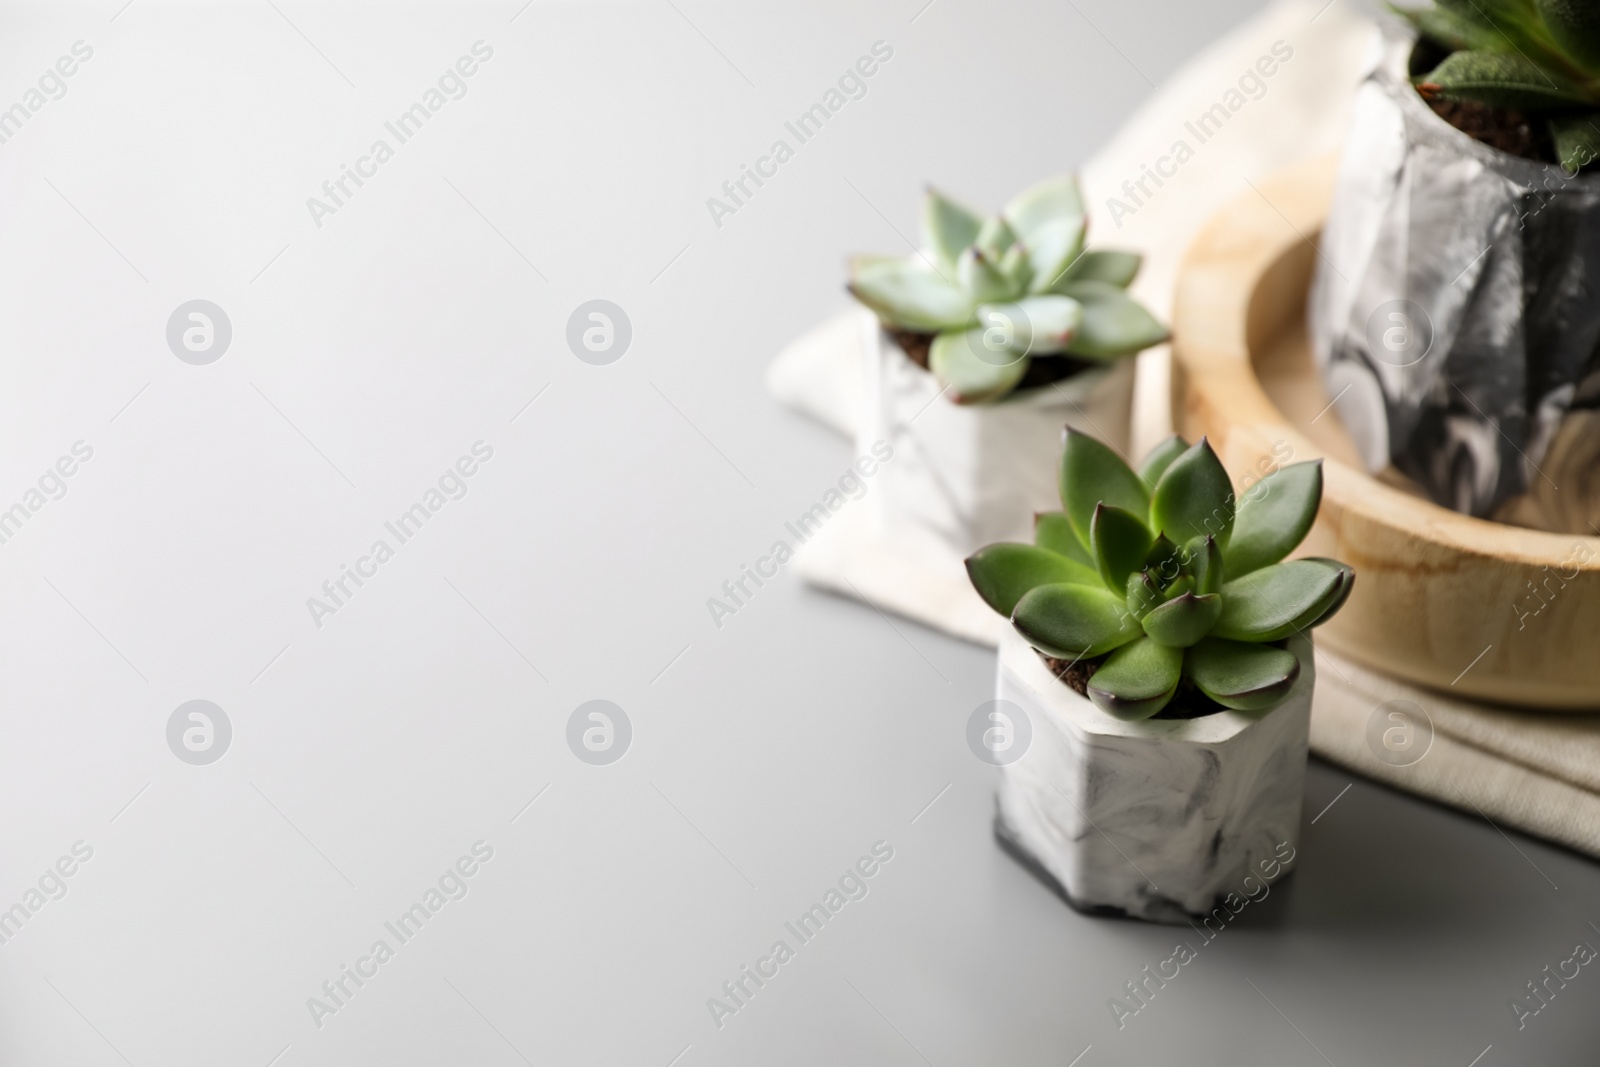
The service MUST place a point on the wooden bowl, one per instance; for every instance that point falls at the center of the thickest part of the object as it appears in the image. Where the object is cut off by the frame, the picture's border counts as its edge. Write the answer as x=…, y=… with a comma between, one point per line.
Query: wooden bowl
x=1476, y=608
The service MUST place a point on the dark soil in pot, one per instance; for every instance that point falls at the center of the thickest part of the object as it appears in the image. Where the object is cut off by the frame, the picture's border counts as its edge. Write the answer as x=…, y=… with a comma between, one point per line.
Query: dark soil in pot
x=1509, y=131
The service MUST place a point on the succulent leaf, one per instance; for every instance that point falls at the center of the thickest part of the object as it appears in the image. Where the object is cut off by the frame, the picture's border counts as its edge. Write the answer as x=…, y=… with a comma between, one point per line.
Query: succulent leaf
x=1504, y=80
x=1245, y=677
x=1575, y=25
x=1143, y=594
x=1003, y=573
x=995, y=236
x=1160, y=458
x=1120, y=542
x=1044, y=203
x=1347, y=581
x=1194, y=497
x=1052, y=530
x=1539, y=57
x=1137, y=680
x=980, y=275
x=1455, y=29
x=1015, y=266
x=1034, y=325
x=1205, y=562
x=1091, y=474
x=1277, y=601
x=1114, y=323
x=1183, y=585
x=1051, y=252
x=1074, y=620
x=955, y=361
x=1182, y=621
x=1273, y=516
x=1048, y=218
x=1165, y=559
x=905, y=293
x=947, y=227
x=1577, y=139
x=1104, y=265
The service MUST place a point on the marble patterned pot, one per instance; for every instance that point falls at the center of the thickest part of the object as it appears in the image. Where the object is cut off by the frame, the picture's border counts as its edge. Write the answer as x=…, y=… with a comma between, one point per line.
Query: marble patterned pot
x=1156, y=820
x=1454, y=312
x=968, y=476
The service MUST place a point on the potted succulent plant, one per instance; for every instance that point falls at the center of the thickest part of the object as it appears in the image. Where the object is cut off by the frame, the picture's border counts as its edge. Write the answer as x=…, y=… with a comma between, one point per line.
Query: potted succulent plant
x=1455, y=311
x=979, y=348
x=1161, y=656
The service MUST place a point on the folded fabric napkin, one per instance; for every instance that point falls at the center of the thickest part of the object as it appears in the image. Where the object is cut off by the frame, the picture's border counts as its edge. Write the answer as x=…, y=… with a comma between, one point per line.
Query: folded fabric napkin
x=1538, y=773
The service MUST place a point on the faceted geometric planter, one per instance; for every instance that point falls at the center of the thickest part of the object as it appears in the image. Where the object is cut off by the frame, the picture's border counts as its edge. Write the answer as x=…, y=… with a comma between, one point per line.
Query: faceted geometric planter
x=1455, y=313
x=965, y=476
x=1156, y=819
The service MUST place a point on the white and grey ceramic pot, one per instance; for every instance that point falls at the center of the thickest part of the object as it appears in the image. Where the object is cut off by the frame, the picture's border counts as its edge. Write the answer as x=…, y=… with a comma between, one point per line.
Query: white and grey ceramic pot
x=1456, y=307
x=965, y=476
x=1159, y=819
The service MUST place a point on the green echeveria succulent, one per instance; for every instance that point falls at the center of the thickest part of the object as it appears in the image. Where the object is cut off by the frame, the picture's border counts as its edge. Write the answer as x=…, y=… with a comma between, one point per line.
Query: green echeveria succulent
x=1539, y=57
x=1167, y=576
x=1003, y=291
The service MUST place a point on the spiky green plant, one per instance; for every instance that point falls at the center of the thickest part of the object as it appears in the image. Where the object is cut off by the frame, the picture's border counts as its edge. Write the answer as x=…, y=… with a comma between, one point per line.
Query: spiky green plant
x=1167, y=576
x=1001, y=292
x=1538, y=57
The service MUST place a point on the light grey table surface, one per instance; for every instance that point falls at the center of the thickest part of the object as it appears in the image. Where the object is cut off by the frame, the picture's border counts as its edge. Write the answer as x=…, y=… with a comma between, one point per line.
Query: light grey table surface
x=374, y=745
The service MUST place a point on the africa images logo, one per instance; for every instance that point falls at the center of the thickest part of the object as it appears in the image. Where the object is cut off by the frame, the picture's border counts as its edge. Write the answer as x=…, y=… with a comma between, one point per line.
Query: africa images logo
x=199, y=732
x=999, y=732
x=599, y=732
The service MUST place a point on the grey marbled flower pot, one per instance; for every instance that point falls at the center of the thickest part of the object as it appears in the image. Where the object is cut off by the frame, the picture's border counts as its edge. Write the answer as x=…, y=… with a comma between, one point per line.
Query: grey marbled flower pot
x=1157, y=820
x=1454, y=313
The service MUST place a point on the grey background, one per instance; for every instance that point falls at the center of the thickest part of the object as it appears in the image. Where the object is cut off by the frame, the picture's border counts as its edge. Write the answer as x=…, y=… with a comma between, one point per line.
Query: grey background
x=368, y=754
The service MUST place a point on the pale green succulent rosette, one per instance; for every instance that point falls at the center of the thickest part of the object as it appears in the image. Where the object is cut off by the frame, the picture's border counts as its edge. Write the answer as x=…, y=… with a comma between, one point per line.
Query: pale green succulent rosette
x=998, y=293
x=1167, y=576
